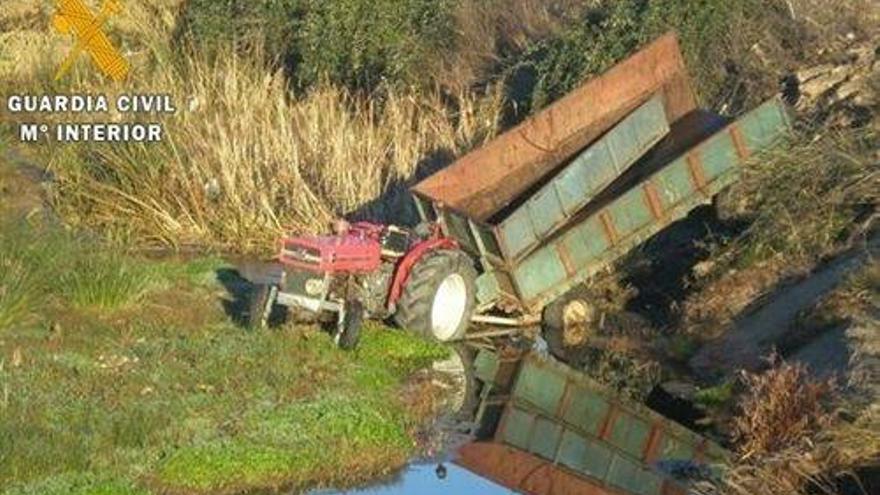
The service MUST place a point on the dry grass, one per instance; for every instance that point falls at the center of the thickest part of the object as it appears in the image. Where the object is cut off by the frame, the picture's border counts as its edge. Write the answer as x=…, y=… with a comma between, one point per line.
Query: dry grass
x=781, y=415
x=781, y=407
x=244, y=158
x=789, y=232
x=790, y=442
x=811, y=466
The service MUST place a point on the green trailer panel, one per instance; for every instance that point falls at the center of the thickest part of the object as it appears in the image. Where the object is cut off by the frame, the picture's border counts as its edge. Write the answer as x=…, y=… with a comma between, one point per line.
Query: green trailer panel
x=586, y=411
x=630, y=212
x=588, y=174
x=718, y=156
x=563, y=416
x=669, y=194
x=518, y=428
x=521, y=264
x=546, y=436
x=597, y=458
x=585, y=242
x=633, y=477
x=630, y=434
x=540, y=387
x=759, y=127
x=539, y=271
x=518, y=233
x=674, y=183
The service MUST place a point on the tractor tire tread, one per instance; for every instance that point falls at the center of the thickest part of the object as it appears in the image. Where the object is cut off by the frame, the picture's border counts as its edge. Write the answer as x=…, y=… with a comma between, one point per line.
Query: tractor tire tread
x=414, y=306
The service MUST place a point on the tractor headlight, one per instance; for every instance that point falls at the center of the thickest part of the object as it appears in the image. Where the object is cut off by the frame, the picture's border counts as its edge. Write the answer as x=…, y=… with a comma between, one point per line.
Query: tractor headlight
x=314, y=286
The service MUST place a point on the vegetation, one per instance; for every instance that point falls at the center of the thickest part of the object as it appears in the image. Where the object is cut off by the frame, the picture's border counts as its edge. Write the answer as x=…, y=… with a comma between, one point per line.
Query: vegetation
x=780, y=407
x=313, y=91
x=799, y=435
x=99, y=396
x=785, y=234
x=122, y=375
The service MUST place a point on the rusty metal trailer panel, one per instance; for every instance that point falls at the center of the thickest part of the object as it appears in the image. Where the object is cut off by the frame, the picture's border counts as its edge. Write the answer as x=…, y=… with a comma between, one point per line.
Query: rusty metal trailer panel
x=701, y=156
x=528, y=223
x=552, y=205
x=642, y=206
x=566, y=418
x=485, y=181
x=526, y=473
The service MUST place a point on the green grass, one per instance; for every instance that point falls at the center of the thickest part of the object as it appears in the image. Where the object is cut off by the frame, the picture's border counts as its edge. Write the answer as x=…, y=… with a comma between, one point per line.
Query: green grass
x=25, y=273
x=715, y=397
x=107, y=282
x=41, y=264
x=123, y=375
x=78, y=484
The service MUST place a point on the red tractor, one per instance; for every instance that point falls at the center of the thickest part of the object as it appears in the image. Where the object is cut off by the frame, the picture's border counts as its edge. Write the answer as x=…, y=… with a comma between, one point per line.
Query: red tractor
x=417, y=276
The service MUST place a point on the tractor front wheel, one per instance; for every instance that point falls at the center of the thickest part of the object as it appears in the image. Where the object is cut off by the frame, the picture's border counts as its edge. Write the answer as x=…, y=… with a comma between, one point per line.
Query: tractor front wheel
x=349, y=332
x=262, y=301
x=439, y=296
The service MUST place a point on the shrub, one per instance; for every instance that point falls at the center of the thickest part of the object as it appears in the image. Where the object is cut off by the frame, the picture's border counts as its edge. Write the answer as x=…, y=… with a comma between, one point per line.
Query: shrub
x=363, y=43
x=356, y=43
x=488, y=31
x=613, y=30
x=212, y=25
x=782, y=406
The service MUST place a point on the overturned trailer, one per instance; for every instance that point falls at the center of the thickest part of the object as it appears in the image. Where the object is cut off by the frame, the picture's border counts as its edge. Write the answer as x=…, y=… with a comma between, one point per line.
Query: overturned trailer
x=548, y=204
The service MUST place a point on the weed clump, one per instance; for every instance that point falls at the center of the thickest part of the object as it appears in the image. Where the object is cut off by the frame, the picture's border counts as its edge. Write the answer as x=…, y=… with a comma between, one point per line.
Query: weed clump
x=107, y=281
x=781, y=406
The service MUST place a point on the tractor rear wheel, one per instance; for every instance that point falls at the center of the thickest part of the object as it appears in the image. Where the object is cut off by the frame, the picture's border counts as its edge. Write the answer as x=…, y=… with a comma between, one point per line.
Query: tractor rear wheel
x=439, y=296
x=568, y=323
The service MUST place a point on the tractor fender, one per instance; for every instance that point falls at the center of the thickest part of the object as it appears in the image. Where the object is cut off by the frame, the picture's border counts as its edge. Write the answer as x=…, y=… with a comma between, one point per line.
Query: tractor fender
x=401, y=274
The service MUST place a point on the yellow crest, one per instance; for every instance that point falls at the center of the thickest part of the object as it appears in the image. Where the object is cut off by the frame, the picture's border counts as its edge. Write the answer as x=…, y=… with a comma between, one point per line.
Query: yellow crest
x=73, y=17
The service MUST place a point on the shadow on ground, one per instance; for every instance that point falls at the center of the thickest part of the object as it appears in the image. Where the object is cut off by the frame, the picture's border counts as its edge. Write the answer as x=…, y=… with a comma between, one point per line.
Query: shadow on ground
x=239, y=284
x=661, y=269
x=395, y=206
x=238, y=294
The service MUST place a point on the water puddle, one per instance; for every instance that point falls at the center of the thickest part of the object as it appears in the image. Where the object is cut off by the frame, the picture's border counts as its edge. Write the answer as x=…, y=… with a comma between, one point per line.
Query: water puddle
x=428, y=479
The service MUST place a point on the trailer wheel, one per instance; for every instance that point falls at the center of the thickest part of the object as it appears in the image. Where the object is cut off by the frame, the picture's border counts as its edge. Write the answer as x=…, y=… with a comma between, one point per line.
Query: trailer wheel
x=349, y=334
x=439, y=296
x=568, y=322
x=468, y=400
x=260, y=308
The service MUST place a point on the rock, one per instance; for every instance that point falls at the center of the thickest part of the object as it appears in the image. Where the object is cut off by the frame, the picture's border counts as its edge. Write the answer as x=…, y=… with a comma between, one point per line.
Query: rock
x=807, y=75
x=819, y=85
x=849, y=89
x=703, y=268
